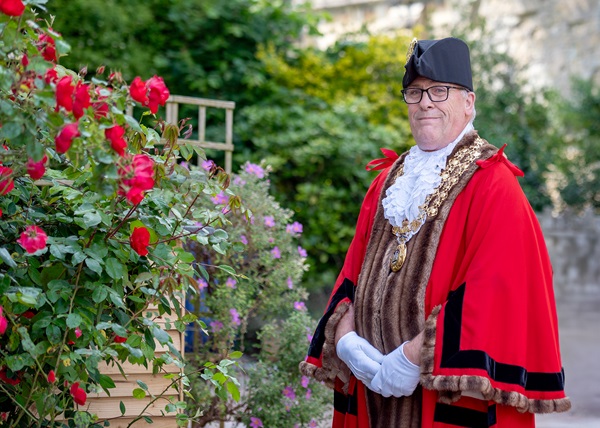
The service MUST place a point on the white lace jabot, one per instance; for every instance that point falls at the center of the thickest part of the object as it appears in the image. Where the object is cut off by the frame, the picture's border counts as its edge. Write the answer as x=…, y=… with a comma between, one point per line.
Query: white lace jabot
x=420, y=178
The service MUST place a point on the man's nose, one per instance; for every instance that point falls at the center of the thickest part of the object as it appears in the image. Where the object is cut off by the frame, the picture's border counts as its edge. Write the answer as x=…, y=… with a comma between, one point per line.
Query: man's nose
x=425, y=101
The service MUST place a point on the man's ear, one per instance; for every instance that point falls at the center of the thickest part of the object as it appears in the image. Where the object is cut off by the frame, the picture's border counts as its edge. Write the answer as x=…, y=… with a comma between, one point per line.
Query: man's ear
x=470, y=102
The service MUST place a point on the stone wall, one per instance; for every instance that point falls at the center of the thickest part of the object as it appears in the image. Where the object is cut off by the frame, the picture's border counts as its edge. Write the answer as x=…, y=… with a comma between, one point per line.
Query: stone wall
x=574, y=245
x=551, y=39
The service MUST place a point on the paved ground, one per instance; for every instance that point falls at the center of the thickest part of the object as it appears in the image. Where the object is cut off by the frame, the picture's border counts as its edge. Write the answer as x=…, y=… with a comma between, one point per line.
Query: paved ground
x=579, y=324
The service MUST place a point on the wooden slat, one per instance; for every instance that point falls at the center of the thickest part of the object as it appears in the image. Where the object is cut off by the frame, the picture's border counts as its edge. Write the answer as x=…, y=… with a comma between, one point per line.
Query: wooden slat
x=133, y=368
x=181, y=99
x=110, y=407
x=124, y=387
x=163, y=422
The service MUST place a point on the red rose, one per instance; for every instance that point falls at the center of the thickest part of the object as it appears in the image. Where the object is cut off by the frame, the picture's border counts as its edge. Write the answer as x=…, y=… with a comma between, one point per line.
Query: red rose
x=115, y=136
x=7, y=184
x=47, y=47
x=51, y=76
x=82, y=100
x=28, y=314
x=158, y=93
x=36, y=170
x=64, y=93
x=65, y=137
x=3, y=322
x=139, y=240
x=79, y=395
x=12, y=7
x=138, y=90
x=33, y=239
x=119, y=339
x=77, y=332
x=13, y=380
x=136, y=177
x=51, y=376
x=25, y=60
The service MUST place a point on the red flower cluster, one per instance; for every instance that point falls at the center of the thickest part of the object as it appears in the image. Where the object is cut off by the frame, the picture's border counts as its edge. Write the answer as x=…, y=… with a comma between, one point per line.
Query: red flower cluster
x=33, y=239
x=119, y=339
x=3, y=322
x=115, y=136
x=65, y=137
x=139, y=240
x=47, y=47
x=79, y=395
x=51, y=376
x=6, y=184
x=151, y=93
x=137, y=176
x=72, y=98
x=36, y=170
x=12, y=7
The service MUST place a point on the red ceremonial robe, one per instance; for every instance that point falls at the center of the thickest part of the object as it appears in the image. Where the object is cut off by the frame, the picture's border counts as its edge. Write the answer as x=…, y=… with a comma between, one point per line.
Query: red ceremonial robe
x=487, y=309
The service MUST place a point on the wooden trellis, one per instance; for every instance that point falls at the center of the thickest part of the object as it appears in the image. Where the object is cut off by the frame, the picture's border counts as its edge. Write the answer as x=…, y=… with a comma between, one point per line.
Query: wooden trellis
x=172, y=114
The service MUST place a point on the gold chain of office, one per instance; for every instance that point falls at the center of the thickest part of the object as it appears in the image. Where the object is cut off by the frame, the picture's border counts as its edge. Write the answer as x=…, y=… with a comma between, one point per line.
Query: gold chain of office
x=450, y=176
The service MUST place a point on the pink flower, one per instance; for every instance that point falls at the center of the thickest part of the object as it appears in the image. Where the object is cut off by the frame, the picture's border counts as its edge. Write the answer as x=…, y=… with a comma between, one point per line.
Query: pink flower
x=77, y=332
x=139, y=240
x=159, y=94
x=276, y=253
x=288, y=392
x=312, y=424
x=216, y=326
x=230, y=282
x=202, y=284
x=254, y=169
x=301, y=251
x=65, y=137
x=12, y=7
x=294, y=229
x=269, y=221
x=244, y=240
x=7, y=184
x=220, y=199
x=137, y=176
x=290, y=283
x=115, y=136
x=51, y=376
x=255, y=422
x=299, y=306
x=33, y=239
x=207, y=165
x=308, y=394
x=235, y=316
x=3, y=322
x=138, y=91
x=79, y=395
x=36, y=170
x=305, y=380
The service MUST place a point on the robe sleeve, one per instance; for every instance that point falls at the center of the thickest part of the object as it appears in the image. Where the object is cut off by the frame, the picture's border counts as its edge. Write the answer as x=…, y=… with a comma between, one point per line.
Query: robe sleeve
x=496, y=333
x=322, y=362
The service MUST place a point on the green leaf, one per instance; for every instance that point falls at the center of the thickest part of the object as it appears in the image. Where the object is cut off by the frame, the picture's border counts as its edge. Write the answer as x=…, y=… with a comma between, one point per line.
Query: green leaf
x=100, y=293
x=54, y=334
x=106, y=382
x=235, y=355
x=91, y=219
x=233, y=390
x=139, y=393
x=114, y=268
x=161, y=335
x=122, y=407
x=17, y=362
x=94, y=265
x=74, y=320
x=133, y=124
x=142, y=385
x=27, y=343
x=6, y=258
x=227, y=269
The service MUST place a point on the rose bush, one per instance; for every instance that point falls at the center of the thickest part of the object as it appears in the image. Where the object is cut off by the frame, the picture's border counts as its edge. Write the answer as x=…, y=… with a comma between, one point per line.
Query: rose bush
x=94, y=207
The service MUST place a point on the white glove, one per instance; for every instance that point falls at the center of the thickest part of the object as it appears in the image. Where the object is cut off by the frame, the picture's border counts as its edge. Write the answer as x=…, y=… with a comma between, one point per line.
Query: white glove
x=397, y=375
x=360, y=356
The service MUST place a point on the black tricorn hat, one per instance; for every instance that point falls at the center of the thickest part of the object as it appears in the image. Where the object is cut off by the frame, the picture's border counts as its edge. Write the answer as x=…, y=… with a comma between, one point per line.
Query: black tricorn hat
x=446, y=60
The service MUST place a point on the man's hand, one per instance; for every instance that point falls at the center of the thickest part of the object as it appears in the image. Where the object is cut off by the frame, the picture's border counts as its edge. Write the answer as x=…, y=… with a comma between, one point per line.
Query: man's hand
x=346, y=324
x=360, y=356
x=398, y=376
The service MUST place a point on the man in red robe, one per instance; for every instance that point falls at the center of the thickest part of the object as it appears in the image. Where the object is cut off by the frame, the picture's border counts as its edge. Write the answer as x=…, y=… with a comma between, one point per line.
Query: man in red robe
x=443, y=314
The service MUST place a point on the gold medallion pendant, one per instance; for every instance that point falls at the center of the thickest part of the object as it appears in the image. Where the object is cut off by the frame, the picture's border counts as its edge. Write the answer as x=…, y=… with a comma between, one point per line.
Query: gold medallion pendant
x=398, y=257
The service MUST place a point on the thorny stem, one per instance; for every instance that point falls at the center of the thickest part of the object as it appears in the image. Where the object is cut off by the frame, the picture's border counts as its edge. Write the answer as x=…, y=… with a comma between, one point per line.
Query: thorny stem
x=111, y=233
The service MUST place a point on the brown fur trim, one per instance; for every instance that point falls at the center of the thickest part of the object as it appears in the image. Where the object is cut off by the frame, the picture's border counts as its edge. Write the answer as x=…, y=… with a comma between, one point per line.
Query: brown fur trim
x=450, y=387
x=332, y=366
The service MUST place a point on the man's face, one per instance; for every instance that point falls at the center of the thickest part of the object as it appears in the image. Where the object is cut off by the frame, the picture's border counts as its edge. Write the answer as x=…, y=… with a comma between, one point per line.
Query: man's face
x=436, y=124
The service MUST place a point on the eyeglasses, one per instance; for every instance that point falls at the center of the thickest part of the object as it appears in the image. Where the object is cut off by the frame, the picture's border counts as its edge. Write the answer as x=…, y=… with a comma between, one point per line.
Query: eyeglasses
x=436, y=94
